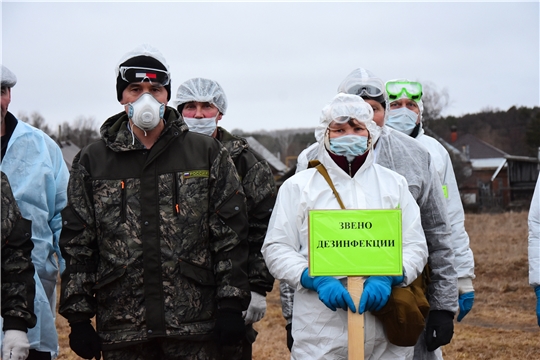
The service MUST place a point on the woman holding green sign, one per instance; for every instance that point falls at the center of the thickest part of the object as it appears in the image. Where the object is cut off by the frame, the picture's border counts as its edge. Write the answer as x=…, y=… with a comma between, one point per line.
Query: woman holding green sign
x=345, y=136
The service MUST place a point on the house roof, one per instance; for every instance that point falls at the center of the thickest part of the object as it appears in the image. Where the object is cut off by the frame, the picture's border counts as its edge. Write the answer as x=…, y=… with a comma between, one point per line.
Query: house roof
x=486, y=164
x=69, y=150
x=480, y=154
x=483, y=156
x=477, y=148
x=265, y=153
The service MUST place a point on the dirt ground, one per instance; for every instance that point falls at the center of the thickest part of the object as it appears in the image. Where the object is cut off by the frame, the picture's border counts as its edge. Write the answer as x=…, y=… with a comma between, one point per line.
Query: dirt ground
x=501, y=326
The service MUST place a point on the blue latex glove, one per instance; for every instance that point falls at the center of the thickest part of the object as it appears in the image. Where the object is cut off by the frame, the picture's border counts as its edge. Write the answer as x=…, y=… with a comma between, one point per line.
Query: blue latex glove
x=331, y=292
x=466, y=301
x=376, y=292
x=537, y=291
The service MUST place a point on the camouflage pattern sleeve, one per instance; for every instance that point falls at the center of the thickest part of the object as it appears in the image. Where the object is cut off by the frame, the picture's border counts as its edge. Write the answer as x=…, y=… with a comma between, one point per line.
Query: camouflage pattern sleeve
x=286, y=295
x=228, y=232
x=260, y=189
x=18, y=284
x=79, y=248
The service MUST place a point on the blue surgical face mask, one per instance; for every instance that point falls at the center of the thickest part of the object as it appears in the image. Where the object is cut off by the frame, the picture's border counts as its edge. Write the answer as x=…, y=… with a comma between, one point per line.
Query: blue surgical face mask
x=205, y=126
x=402, y=120
x=349, y=146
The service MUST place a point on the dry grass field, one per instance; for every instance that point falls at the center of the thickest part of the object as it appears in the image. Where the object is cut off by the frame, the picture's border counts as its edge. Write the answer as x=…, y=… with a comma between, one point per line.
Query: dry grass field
x=501, y=326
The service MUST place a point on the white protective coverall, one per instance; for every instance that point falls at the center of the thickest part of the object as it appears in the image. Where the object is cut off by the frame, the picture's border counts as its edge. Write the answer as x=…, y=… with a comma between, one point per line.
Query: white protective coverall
x=463, y=255
x=38, y=175
x=411, y=159
x=403, y=154
x=534, y=238
x=318, y=332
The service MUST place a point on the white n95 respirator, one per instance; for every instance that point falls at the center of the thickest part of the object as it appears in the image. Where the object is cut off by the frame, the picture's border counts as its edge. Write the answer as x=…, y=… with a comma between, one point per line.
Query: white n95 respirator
x=146, y=112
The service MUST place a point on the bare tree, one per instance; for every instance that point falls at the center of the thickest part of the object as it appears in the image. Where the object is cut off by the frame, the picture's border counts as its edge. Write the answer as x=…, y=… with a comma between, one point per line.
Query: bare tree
x=489, y=109
x=37, y=121
x=435, y=101
x=82, y=132
x=284, y=139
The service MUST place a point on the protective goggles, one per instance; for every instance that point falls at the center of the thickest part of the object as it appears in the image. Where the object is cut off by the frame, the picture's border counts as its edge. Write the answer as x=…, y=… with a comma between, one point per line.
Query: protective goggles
x=132, y=74
x=395, y=90
x=365, y=90
x=346, y=119
x=342, y=119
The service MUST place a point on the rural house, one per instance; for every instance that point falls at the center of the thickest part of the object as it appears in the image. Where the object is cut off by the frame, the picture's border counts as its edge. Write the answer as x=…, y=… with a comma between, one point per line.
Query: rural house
x=489, y=179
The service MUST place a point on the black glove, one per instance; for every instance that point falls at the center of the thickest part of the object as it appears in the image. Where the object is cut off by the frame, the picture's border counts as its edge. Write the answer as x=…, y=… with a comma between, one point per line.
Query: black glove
x=439, y=329
x=290, y=339
x=230, y=327
x=84, y=340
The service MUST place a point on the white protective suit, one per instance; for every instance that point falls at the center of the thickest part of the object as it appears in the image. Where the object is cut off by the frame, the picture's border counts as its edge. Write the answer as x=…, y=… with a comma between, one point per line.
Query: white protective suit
x=463, y=255
x=404, y=155
x=407, y=157
x=534, y=238
x=38, y=175
x=318, y=332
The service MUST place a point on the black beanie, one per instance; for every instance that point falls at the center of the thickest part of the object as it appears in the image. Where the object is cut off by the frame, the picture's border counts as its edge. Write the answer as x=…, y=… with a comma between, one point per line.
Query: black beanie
x=140, y=61
x=380, y=99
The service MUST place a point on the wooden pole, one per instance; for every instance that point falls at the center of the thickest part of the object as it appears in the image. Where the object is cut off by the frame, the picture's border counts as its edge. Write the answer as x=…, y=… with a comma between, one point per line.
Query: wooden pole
x=355, y=285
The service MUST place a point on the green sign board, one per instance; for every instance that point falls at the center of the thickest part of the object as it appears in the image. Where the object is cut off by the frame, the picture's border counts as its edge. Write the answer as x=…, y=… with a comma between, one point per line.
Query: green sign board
x=355, y=242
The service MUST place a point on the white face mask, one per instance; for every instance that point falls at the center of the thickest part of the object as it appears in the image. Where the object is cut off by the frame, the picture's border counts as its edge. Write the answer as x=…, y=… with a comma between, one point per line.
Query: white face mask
x=146, y=112
x=402, y=120
x=205, y=126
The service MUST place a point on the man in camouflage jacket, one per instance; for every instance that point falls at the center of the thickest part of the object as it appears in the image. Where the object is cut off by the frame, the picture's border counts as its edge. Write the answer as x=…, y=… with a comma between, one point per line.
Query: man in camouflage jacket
x=154, y=233
x=18, y=284
x=202, y=103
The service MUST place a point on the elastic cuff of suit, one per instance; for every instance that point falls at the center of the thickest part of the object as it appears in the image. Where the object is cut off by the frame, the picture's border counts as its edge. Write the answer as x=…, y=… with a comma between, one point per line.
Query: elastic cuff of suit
x=465, y=285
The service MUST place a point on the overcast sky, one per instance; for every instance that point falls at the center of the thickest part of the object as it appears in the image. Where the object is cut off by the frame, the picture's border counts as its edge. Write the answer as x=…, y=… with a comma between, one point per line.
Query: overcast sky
x=279, y=63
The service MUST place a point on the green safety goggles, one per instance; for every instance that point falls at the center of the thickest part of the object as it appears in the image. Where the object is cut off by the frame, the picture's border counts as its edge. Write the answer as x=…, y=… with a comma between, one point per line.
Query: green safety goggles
x=395, y=90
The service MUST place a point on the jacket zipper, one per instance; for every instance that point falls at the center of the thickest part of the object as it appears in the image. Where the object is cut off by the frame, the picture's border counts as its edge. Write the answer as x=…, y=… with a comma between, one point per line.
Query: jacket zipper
x=176, y=207
x=124, y=200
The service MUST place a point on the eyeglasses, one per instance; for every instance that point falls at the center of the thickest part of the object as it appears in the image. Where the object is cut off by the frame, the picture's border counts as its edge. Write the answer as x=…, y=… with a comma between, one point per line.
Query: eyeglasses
x=132, y=74
x=365, y=90
x=412, y=89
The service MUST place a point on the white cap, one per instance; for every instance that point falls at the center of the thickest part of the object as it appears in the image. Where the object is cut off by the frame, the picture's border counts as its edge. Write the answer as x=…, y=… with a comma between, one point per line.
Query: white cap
x=346, y=105
x=201, y=90
x=8, y=78
x=142, y=50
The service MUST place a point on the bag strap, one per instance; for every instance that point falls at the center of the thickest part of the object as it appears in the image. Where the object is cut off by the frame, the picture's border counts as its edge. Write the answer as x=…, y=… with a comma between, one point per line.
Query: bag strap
x=320, y=167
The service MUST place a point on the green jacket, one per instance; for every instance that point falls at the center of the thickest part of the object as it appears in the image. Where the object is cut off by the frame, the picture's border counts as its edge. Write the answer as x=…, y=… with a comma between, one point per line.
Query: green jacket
x=154, y=239
x=260, y=189
x=18, y=284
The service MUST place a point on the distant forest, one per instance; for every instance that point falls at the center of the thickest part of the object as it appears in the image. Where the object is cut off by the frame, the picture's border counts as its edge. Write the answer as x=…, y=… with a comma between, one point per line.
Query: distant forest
x=515, y=131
